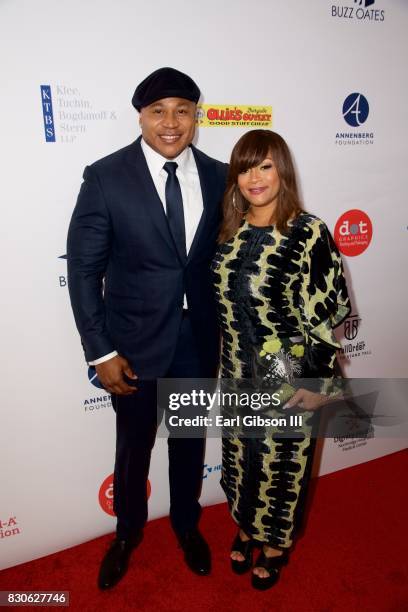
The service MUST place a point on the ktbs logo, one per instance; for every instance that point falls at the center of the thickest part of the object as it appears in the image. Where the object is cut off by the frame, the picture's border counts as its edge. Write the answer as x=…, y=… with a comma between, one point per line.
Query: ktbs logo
x=353, y=232
x=48, y=115
x=67, y=114
x=106, y=495
x=355, y=109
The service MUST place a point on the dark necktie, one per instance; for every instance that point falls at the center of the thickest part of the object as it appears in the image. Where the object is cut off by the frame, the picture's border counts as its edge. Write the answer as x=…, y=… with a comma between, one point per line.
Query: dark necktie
x=174, y=208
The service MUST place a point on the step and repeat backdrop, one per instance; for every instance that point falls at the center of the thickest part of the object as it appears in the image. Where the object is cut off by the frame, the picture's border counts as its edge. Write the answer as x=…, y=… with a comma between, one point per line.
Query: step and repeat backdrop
x=329, y=75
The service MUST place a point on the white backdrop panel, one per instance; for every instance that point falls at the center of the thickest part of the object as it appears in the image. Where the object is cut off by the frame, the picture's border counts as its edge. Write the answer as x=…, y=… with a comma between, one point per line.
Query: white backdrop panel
x=57, y=427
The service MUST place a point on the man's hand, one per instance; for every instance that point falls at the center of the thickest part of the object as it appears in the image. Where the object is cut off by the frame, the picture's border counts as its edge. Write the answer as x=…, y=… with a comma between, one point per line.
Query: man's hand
x=307, y=400
x=110, y=374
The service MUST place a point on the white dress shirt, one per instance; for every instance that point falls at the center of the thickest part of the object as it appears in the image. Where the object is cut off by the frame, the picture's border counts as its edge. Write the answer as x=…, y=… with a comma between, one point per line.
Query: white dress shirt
x=189, y=180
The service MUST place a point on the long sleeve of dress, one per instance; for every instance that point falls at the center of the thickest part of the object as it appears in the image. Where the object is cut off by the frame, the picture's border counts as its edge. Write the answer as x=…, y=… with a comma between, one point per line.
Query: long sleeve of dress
x=324, y=298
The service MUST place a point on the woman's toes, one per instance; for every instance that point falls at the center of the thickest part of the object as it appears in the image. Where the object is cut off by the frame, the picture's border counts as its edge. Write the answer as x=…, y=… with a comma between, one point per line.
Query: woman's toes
x=261, y=572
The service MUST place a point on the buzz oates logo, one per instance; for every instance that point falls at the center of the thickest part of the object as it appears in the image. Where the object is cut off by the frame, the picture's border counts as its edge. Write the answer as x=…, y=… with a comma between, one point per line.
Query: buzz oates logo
x=9, y=527
x=359, y=10
x=355, y=111
x=106, y=495
x=67, y=114
x=356, y=346
x=353, y=232
x=93, y=404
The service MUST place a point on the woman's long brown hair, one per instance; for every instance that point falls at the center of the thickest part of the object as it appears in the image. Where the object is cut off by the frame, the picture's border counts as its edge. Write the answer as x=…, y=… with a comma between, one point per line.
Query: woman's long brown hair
x=251, y=150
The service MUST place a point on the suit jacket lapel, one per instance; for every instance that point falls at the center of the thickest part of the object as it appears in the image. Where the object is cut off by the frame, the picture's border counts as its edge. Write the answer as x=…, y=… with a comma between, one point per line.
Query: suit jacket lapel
x=149, y=194
x=204, y=174
x=153, y=203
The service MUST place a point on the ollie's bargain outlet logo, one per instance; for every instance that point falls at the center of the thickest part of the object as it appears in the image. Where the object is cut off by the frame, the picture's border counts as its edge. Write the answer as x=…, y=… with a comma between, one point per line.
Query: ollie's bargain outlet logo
x=106, y=495
x=353, y=232
x=224, y=115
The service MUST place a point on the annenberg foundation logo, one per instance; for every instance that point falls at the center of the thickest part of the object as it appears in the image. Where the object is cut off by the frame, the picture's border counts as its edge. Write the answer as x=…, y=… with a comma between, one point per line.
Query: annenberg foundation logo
x=67, y=115
x=353, y=232
x=93, y=378
x=355, y=112
x=230, y=115
x=358, y=10
x=355, y=109
x=106, y=495
x=94, y=404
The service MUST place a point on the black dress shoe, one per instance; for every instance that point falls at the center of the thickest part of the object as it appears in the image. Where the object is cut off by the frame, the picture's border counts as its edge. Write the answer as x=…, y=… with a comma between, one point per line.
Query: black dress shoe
x=196, y=552
x=116, y=561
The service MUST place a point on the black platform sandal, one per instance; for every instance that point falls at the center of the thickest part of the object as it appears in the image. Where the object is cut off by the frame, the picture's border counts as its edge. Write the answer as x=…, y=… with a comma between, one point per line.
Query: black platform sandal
x=273, y=566
x=245, y=548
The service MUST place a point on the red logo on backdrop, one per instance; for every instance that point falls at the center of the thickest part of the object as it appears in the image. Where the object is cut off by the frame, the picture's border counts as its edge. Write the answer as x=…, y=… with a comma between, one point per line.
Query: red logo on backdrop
x=353, y=232
x=106, y=495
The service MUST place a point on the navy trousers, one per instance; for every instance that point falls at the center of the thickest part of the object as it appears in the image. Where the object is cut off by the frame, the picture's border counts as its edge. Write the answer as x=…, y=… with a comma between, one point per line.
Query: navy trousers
x=136, y=425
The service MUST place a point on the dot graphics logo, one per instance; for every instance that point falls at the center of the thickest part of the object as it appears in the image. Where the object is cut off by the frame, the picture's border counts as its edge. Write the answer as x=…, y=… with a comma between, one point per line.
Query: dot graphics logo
x=105, y=495
x=353, y=232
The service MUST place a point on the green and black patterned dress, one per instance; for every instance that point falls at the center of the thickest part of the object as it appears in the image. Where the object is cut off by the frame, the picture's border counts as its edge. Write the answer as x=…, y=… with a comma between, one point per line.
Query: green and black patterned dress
x=272, y=290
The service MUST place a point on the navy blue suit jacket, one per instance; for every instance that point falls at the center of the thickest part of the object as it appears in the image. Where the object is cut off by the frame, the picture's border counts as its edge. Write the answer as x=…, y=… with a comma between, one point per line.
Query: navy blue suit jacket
x=126, y=279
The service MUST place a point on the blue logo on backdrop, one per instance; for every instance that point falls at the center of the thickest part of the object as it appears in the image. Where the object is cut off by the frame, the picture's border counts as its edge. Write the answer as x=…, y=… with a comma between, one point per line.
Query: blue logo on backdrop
x=365, y=2
x=93, y=378
x=47, y=113
x=355, y=109
x=211, y=469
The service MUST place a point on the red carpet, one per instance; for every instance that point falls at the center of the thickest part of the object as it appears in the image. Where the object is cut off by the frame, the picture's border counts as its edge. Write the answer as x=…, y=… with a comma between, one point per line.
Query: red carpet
x=351, y=557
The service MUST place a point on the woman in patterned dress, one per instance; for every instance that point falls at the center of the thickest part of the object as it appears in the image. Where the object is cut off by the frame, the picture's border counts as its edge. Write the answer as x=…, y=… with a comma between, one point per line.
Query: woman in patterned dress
x=281, y=291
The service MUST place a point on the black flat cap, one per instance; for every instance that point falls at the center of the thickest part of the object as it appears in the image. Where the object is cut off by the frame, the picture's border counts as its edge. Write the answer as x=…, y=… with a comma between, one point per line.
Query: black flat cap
x=165, y=83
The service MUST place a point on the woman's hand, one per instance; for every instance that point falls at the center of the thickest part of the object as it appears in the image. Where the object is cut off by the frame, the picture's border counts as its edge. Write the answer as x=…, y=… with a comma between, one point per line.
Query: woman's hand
x=307, y=400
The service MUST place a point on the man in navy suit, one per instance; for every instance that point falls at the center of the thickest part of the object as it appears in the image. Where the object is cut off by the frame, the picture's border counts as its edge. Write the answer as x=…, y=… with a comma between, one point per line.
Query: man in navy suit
x=140, y=243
